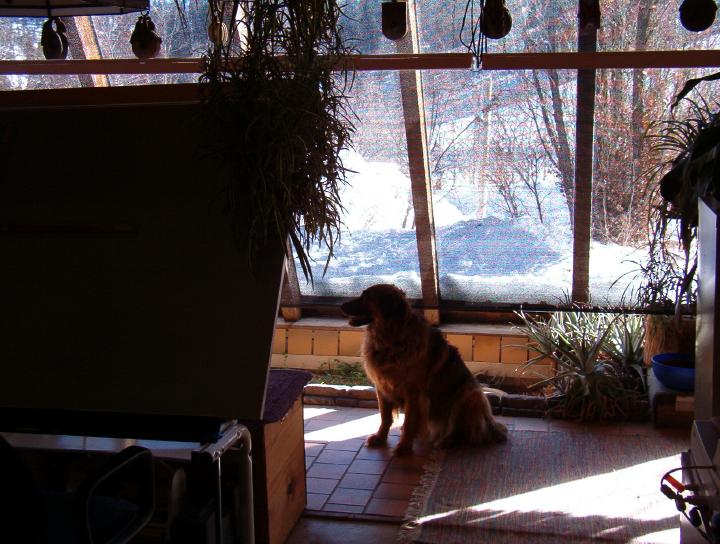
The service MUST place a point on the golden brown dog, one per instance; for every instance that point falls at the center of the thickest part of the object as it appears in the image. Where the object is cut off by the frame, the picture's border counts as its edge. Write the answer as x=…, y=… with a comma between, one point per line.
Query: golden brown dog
x=414, y=368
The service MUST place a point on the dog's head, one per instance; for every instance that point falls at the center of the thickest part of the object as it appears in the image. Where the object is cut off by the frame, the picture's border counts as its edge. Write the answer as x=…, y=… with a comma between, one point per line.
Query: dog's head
x=382, y=302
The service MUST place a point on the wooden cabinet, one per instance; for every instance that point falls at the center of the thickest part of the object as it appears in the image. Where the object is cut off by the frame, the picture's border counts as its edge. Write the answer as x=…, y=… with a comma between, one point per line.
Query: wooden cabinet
x=278, y=456
x=284, y=476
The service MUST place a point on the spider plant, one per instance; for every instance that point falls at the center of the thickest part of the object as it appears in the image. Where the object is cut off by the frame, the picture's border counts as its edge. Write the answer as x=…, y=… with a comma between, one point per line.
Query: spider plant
x=587, y=385
x=684, y=174
x=278, y=119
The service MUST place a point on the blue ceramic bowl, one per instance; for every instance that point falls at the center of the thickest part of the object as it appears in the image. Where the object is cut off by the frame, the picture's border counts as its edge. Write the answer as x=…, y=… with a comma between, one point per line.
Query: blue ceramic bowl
x=675, y=370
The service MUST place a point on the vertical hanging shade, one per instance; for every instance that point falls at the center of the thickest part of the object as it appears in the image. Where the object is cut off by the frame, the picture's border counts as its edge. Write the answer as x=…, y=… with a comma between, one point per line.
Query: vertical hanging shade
x=69, y=8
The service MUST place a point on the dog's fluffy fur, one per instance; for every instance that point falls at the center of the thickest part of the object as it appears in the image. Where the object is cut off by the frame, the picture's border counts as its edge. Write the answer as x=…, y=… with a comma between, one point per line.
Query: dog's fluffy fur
x=414, y=368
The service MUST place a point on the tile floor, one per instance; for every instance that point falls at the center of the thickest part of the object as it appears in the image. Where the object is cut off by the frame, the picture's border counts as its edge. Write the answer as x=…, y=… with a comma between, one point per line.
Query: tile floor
x=346, y=477
x=348, y=480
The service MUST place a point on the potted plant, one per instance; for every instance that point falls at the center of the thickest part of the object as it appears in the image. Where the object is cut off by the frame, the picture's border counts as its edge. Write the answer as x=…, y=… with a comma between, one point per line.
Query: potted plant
x=587, y=383
x=273, y=92
x=688, y=172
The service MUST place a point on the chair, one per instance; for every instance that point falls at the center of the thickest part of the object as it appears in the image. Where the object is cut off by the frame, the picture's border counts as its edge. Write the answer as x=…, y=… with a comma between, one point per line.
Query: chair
x=97, y=511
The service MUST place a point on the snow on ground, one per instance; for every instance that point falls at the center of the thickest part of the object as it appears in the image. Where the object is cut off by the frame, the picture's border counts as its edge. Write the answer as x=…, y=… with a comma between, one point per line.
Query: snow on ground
x=489, y=259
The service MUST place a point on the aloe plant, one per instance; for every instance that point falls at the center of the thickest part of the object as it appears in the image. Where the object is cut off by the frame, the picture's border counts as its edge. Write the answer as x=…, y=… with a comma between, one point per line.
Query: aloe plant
x=587, y=384
x=625, y=342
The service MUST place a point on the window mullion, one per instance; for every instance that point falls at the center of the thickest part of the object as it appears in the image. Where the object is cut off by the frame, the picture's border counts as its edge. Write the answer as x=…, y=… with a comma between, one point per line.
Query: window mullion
x=290, y=297
x=584, y=141
x=84, y=46
x=418, y=165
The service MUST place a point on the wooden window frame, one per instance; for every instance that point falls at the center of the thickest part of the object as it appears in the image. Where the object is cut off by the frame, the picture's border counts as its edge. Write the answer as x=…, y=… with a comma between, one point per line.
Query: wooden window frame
x=409, y=63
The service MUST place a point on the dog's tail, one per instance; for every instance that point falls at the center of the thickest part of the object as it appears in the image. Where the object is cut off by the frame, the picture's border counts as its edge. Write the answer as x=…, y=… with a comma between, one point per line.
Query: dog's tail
x=475, y=421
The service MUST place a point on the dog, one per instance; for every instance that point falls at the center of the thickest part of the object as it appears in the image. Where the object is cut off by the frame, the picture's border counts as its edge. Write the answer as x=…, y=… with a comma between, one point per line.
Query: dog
x=414, y=368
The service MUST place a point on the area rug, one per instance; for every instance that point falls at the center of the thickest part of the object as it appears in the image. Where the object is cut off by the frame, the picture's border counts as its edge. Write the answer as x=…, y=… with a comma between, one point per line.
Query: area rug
x=548, y=487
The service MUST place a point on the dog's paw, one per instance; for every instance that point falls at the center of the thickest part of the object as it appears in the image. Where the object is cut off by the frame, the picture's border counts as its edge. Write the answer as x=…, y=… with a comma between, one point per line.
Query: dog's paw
x=403, y=448
x=376, y=440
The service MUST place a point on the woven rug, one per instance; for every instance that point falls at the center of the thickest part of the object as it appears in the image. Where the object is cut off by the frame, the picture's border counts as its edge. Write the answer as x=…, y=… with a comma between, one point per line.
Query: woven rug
x=548, y=487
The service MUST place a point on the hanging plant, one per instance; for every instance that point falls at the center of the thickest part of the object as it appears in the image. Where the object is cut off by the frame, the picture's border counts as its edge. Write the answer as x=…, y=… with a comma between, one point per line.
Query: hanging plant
x=276, y=106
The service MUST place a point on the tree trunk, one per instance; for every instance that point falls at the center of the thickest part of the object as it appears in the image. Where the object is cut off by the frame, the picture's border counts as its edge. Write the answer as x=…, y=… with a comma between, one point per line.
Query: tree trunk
x=553, y=118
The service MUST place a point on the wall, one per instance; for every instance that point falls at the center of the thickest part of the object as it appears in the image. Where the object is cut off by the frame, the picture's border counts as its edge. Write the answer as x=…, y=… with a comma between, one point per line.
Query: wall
x=494, y=350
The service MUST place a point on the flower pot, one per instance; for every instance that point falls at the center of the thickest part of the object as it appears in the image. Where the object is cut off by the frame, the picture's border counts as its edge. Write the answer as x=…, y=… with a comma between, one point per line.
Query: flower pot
x=675, y=370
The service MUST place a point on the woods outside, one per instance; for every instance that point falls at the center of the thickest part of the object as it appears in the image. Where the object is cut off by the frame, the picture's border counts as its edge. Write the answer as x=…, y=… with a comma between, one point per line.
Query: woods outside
x=500, y=144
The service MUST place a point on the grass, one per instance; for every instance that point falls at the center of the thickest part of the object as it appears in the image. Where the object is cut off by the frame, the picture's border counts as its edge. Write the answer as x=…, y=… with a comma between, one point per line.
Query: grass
x=340, y=373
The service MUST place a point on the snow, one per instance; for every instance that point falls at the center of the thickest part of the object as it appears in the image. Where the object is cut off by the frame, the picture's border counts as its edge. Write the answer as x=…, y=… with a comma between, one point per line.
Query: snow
x=495, y=258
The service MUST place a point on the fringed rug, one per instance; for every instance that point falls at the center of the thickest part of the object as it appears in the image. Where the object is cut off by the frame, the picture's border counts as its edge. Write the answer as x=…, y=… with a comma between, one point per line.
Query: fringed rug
x=548, y=487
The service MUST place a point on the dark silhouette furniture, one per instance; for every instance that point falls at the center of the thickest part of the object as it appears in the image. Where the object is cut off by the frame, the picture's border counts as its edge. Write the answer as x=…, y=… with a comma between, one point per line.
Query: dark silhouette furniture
x=99, y=510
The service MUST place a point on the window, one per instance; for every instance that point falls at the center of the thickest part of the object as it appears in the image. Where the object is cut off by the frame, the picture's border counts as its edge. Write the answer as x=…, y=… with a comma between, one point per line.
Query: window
x=501, y=192
x=378, y=243
x=493, y=153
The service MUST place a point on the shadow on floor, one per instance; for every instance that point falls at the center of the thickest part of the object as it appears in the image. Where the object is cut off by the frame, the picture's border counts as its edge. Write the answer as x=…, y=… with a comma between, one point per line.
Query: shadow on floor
x=311, y=530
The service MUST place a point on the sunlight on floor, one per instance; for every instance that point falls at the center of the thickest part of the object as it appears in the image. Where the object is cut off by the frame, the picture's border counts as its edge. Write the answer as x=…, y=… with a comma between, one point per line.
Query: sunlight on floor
x=337, y=431
x=310, y=412
x=631, y=493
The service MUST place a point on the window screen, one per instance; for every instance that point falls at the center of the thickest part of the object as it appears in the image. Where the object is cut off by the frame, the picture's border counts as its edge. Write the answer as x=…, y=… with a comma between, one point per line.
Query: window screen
x=179, y=40
x=21, y=41
x=378, y=240
x=627, y=103
x=537, y=27
x=648, y=25
x=501, y=155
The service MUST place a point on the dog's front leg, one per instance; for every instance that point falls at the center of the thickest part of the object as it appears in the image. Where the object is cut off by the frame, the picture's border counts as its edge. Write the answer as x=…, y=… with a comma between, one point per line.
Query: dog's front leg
x=414, y=421
x=386, y=419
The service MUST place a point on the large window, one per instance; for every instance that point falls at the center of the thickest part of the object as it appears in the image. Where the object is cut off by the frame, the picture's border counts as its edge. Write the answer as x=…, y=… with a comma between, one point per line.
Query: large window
x=502, y=188
x=378, y=241
x=492, y=154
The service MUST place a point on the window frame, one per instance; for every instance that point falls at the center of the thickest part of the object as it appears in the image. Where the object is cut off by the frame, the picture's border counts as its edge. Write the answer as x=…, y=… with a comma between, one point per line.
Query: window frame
x=410, y=62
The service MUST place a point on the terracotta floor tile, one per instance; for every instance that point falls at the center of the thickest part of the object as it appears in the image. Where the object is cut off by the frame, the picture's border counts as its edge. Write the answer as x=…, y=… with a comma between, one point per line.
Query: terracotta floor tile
x=360, y=481
x=313, y=411
x=323, y=486
x=313, y=448
x=399, y=475
x=352, y=444
x=375, y=454
x=363, y=466
x=344, y=508
x=332, y=415
x=316, y=501
x=336, y=457
x=316, y=424
x=356, y=497
x=387, y=507
x=326, y=470
x=394, y=491
x=351, y=414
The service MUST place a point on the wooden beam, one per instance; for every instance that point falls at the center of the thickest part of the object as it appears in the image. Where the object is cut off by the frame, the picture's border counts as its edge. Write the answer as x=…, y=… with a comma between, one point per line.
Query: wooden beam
x=411, y=61
x=89, y=96
x=411, y=91
x=76, y=50
x=83, y=28
x=290, y=297
x=605, y=59
x=584, y=143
